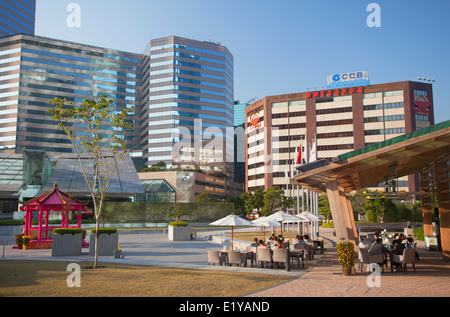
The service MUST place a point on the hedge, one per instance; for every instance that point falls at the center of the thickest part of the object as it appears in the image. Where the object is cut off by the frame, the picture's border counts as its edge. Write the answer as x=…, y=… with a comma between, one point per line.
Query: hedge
x=179, y=224
x=129, y=212
x=104, y=230
x=67, y=230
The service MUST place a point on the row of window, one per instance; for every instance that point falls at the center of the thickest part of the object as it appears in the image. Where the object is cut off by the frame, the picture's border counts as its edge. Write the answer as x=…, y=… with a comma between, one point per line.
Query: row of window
x=335, y=147
x=385, y=131
x=386, y=118
x=384, y=106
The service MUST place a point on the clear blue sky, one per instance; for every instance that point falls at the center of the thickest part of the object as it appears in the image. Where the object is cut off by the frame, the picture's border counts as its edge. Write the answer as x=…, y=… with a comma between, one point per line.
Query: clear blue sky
x=279, y=47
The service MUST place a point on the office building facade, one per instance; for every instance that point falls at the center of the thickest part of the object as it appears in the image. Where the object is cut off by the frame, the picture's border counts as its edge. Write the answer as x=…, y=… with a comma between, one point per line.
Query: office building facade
x=17, y=17
x=33, y=70
x=187, y=103
x=333, y=122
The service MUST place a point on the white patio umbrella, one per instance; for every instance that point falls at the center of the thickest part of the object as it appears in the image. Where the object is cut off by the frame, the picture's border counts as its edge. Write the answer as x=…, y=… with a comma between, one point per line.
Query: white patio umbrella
x=312, y=218
x=232, y=221
x=281, y=216
x=265, y=223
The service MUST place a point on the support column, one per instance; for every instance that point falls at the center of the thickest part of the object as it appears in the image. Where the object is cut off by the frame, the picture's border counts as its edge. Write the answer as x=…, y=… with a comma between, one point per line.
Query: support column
x=342, y=213
x=427, y=200
x=443, y=197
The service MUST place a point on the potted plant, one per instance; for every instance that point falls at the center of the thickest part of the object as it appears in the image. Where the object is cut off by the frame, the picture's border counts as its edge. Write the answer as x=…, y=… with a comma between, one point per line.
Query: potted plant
x=179, y=230
x=19, y=242
x=108, y=241
x=346, y=256
x=26, y=242
x=66, y=242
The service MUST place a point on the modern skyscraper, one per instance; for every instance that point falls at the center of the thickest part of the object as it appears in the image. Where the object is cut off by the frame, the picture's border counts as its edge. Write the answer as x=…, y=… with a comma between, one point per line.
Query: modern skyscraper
x=17, y=17
x=187, y=104
x=34, y=70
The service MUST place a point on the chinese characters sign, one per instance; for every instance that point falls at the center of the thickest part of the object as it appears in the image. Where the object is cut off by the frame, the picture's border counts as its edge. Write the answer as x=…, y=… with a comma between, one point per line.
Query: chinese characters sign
x=335, y=92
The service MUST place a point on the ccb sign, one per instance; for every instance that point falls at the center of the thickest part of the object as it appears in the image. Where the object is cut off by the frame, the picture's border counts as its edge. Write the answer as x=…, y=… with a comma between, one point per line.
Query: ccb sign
x=347, y=77
x=350, y=76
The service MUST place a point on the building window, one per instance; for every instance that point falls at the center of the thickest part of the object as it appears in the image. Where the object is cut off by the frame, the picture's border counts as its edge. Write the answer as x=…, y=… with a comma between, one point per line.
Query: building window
x=393, y=93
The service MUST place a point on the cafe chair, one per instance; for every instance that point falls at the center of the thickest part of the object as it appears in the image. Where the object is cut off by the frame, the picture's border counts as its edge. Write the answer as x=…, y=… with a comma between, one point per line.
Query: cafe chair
x=408, y=257
x=306, y=250
x=279, y=256
x=377, y=259
x=236, y=258
x=215, y=258
x=365, y=258
x=264, y=256
x=251, y=256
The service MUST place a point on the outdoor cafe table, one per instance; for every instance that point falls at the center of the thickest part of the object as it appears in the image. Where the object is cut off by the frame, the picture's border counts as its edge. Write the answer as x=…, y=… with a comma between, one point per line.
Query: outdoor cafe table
x=244, y=252
x=297, y=253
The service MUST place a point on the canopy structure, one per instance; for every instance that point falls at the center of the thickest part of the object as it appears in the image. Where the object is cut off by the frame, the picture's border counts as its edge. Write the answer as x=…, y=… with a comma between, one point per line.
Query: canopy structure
x=54, y=200
x=426, y=151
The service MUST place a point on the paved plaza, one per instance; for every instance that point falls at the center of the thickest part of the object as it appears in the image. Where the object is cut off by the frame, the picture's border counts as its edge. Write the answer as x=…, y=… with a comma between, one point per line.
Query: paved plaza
x=321, y=277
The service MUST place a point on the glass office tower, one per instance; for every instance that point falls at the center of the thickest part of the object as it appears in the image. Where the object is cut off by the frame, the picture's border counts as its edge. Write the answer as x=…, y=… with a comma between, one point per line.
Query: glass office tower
x=33, y=70
x=188, y=104
x=17, y=17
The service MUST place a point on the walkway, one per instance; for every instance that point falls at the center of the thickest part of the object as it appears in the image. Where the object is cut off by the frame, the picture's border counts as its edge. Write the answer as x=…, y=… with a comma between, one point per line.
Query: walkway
x=432, y=279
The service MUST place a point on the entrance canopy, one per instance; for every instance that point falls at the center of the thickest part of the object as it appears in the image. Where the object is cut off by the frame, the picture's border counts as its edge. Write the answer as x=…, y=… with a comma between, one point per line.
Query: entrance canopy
x=415, y=152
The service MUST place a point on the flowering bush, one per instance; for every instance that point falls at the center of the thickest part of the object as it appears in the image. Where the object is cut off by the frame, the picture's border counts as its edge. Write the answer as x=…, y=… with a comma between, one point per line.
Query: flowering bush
x=346, y=253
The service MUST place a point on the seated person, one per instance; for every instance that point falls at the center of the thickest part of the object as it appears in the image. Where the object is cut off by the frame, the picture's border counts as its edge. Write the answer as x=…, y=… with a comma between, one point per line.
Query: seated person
x=378, y=248
x=397, y=250
x=255, y=243
x=300, y=240
x=398, y=247
x=377, y=234
x=273, y=237
x=279, y=244
x=261, y=244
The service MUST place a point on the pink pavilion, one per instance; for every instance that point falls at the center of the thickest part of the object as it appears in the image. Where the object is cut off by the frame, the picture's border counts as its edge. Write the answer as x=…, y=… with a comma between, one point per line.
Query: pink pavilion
x=56, y=201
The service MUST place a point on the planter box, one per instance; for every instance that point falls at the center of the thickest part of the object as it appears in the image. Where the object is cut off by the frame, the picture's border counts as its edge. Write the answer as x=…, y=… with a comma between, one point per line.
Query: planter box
x=179, y=233
x=66, y=244
x=107, y=244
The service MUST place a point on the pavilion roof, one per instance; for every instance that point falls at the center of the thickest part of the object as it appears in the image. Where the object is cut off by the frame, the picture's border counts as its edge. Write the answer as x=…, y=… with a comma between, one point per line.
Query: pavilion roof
x=54, y=197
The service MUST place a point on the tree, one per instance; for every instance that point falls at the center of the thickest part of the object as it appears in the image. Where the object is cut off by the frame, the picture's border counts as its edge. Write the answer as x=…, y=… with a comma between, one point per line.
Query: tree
x=178, y=211
x=239, y=205
x=324, y=207
x=97, y=132
x=253, y=200
x=273, y=199
x=206, y=198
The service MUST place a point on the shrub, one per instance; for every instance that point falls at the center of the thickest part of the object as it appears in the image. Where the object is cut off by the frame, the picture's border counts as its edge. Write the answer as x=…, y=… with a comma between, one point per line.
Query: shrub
x=418, y=234
x=18, y=240
x=66, y=231
x=105, y=230
x=346, y=253
x=179, y=224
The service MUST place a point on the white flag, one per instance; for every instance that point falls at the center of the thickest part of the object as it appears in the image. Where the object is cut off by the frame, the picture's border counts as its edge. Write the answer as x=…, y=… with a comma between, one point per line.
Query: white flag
x=313, y=152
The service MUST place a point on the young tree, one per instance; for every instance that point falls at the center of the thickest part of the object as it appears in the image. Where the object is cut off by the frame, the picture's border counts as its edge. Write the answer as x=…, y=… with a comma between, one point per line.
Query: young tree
x=253, y=200
x=273, y=200
x=206, y=198
x=97, y=132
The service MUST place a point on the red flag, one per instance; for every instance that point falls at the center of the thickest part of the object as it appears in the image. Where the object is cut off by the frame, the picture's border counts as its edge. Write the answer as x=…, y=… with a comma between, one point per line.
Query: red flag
x=299, y=155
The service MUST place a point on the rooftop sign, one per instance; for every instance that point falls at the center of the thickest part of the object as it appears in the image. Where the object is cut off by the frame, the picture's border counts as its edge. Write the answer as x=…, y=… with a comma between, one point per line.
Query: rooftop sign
x=335, y=92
